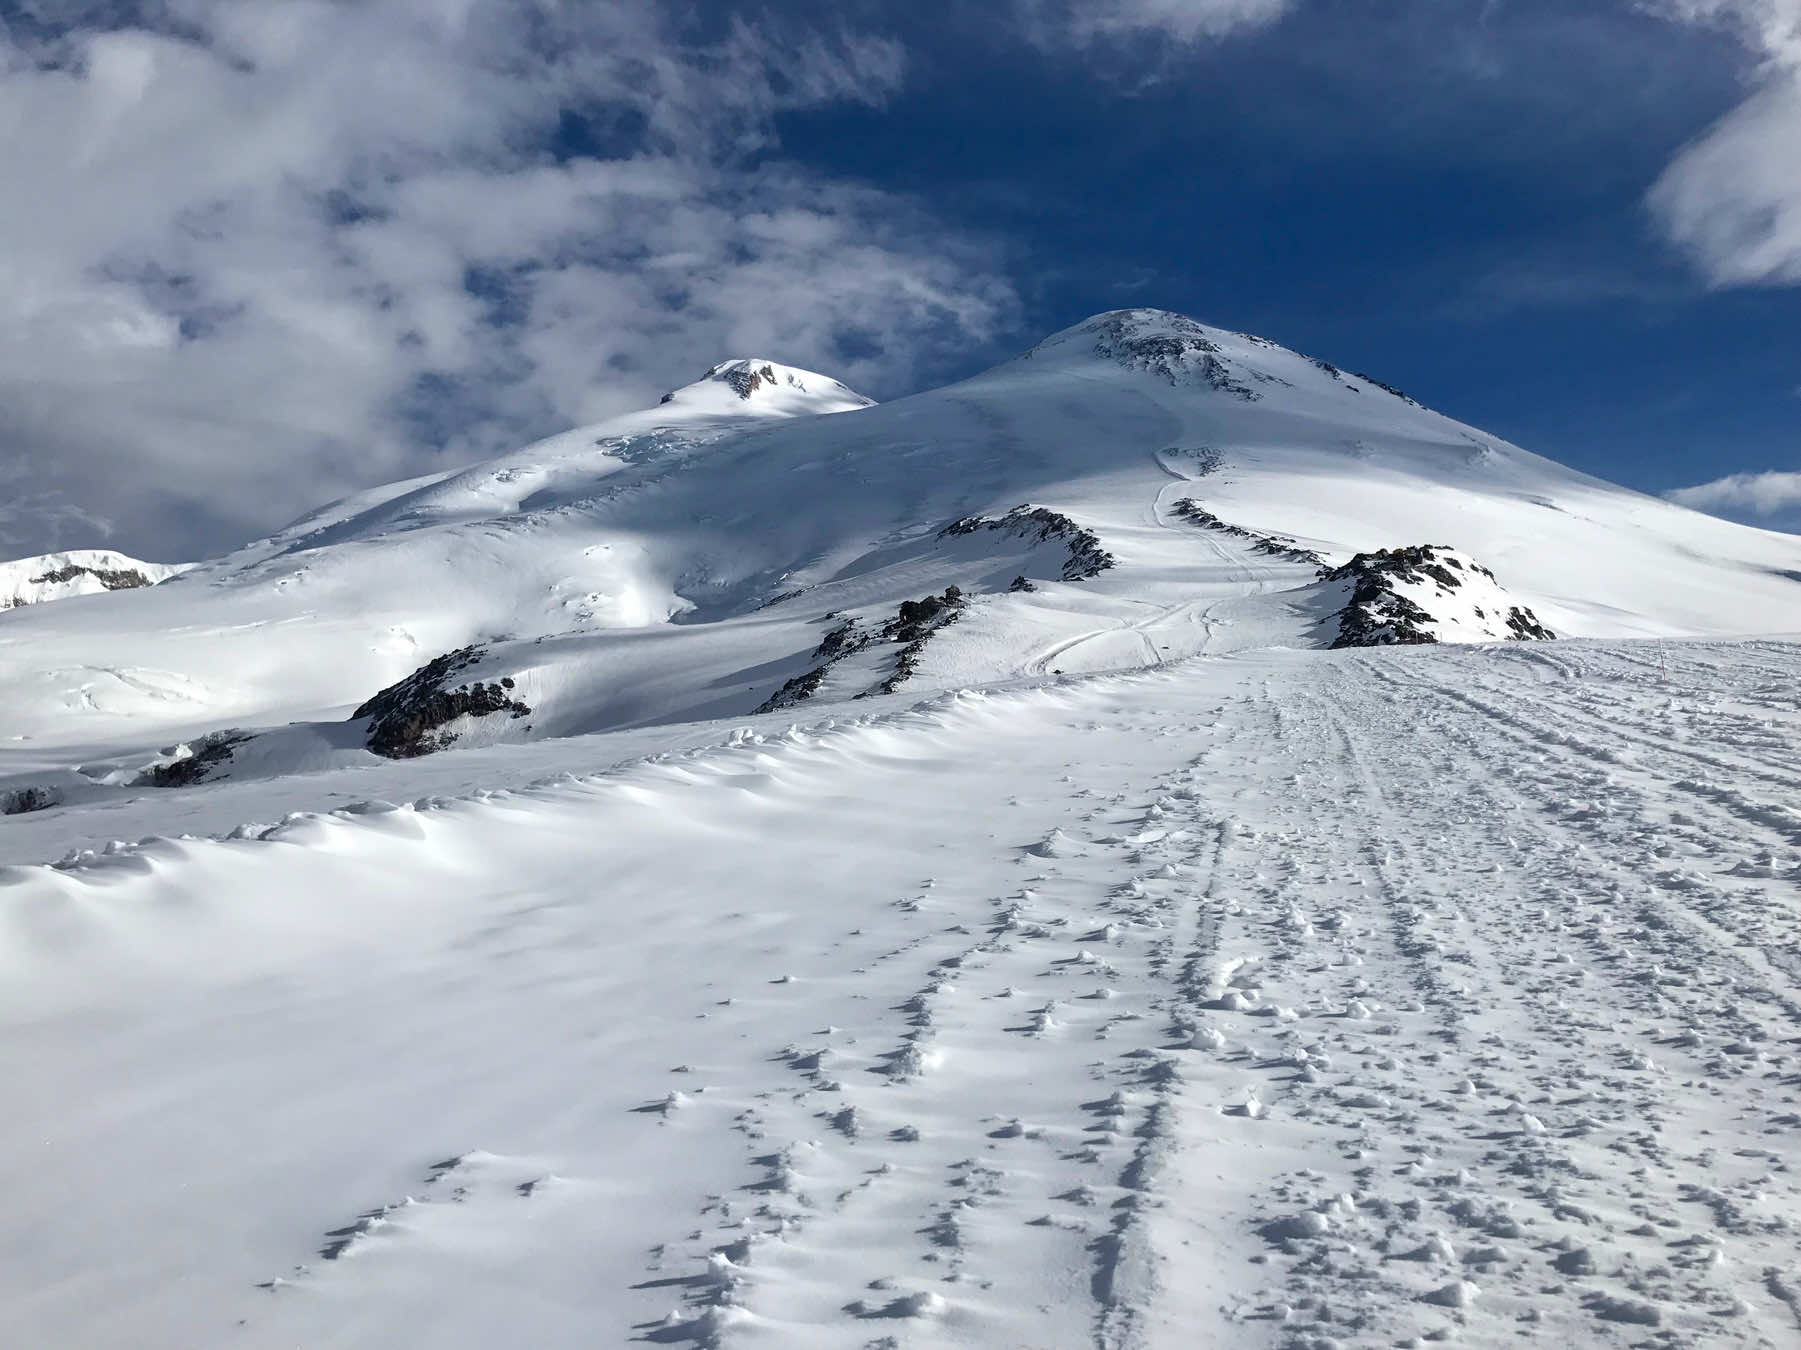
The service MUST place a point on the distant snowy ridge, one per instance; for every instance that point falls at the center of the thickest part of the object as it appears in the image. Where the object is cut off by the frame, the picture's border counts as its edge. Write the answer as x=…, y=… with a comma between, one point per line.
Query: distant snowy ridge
x=57, y=576
x=743, y=545
x=756, y=387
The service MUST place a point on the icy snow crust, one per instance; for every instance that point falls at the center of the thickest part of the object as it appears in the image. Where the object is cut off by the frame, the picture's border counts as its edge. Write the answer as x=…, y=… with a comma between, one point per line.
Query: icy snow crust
x=1021, y=981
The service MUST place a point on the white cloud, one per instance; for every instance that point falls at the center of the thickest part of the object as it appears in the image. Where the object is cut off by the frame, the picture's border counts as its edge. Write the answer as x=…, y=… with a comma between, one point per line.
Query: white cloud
x=1086, y=22
x=1773, y=27
x=1752, y=494
x=253, y=256
x=1732, y=199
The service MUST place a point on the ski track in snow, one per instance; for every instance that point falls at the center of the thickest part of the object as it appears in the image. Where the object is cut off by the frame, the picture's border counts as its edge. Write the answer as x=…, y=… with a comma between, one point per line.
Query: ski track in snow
x=1291, y=1000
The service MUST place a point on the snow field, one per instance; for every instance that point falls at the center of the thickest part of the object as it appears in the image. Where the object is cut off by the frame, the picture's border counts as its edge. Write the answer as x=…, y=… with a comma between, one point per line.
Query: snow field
x=1286, y=999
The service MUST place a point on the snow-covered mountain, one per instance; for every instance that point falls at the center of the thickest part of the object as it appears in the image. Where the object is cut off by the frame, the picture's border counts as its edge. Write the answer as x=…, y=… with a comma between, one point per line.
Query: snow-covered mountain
x=57, y=576
x=970, y=970
x=1135, y=489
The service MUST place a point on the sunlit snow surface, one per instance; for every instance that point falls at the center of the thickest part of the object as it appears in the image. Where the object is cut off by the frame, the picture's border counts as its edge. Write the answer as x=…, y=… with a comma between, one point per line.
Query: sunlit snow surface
x=682, y=563
x=1140, y=975
x=84, y=571
x=1355, y=996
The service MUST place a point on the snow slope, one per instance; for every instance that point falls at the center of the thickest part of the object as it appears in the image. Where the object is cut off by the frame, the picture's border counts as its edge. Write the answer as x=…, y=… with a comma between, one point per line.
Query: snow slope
x=1287, y=998
x=1076, y=953
x=687, y=562
x=57, y=576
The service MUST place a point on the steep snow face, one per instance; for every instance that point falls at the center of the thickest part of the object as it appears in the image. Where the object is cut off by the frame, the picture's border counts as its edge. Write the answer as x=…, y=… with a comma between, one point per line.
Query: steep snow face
x=689, y=561
x=58, y=576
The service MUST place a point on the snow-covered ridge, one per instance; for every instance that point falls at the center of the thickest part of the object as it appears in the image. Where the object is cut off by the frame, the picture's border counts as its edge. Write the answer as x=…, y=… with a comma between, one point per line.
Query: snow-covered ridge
x=758, y=387
x=57, y=576
x=1187, y=353
x=689, y=561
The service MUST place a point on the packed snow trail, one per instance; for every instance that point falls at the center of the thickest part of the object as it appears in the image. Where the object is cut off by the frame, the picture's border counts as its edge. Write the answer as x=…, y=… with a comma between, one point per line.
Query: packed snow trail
x=1288, y=1000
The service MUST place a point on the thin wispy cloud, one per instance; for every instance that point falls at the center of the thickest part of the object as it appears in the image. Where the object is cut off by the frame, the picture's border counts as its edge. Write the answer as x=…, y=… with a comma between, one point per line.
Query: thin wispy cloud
x=255, y=256
x=1085, y=22
x=1732, y=198
x=1763, y=496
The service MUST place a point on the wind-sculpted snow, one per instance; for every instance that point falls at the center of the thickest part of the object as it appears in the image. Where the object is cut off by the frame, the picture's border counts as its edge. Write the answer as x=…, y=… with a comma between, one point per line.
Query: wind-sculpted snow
x=1299, y=998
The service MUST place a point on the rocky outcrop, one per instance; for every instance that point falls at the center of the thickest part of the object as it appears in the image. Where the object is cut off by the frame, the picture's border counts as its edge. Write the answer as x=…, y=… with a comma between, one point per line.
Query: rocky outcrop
x=1425, y=594
x=1390, y=389
x=21, y=801
x=194, y=763
x=122, y=579
x=409, y=719
x=844, y=638
x=914, y=624
x=60, y=576
x=1271, y=545
x=1039, y=525
x=917, y=622
x=746, y=380
x=1171, y=347
x=747, y=376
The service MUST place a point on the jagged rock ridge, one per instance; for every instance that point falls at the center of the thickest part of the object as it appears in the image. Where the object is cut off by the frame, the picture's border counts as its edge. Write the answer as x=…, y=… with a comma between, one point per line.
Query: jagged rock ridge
x=1270, y=545
x=1040, y=525
x=913, y=625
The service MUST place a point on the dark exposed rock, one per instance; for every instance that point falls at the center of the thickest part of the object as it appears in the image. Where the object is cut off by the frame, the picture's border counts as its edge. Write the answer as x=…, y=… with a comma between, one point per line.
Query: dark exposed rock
x=796, y=691
x=1182, y=356
x=1390, y=389
x=1186, y=356
x=1272, y=545
x=1379, y=616
x=918, y=617
x=914, y=626
x=19, y=801
x=407, y=719
x=1039, y=525
x=1526, y=627
x=841, y=641
x=746, y=381
x=1178, y=351
x=1020, y=583
x=210, y=753
x=120, y=579
x=844, y=639
x=1203, y=460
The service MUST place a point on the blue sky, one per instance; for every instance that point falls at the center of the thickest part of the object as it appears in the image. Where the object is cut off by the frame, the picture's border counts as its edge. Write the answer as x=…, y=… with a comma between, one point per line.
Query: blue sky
x=259, y=256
